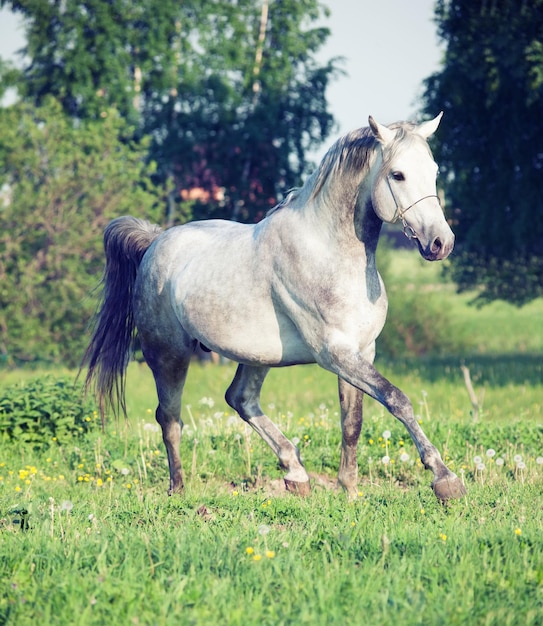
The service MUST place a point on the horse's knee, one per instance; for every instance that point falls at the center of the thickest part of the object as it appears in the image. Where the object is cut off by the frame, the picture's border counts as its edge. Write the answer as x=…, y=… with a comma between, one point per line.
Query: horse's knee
x=245, y=404
x=230, y=397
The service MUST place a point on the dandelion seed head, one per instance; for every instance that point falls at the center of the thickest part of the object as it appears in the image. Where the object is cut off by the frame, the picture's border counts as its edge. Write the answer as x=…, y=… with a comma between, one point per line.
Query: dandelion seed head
x=263, y=530
x=517, y=458
x=385, y=460
x=490, y=453
x=209, y=402
x=477, y=460
x=539, y=460
x=386, y=434
x=499, y=461
x=404, y=457
x=521, y=465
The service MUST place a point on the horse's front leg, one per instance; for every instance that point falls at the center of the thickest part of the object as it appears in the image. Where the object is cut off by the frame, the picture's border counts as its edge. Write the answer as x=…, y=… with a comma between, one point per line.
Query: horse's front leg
x=347, y=362
x=350, y=400
x=243, y=395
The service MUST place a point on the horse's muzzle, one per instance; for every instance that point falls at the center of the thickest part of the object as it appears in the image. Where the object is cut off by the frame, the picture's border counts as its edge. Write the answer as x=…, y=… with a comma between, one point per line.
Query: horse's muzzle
x=438, y=249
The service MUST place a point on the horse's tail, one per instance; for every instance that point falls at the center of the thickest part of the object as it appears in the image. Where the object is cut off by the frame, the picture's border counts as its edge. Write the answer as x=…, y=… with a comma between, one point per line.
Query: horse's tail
x=126, y=239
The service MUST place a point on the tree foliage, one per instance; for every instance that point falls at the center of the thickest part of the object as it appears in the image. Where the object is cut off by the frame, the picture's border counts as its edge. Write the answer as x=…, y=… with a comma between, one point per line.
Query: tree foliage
x=230, y=92
x=61, y=184
x=490, y=147
x=249, y=104
x=92, y=55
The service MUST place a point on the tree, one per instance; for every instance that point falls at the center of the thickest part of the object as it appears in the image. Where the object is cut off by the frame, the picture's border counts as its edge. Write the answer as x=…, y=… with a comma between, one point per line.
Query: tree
x=92, y=55
x=230, y=92
x=61, y=184
x=246, y=110
x=489, y=147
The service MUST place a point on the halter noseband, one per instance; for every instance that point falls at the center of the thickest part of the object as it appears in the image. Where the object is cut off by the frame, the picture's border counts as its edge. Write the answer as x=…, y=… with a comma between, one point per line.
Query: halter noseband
x=408, y=231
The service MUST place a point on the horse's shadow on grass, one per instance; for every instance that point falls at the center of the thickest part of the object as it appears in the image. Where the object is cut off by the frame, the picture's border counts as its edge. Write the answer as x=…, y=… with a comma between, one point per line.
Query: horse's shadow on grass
x=496, y=370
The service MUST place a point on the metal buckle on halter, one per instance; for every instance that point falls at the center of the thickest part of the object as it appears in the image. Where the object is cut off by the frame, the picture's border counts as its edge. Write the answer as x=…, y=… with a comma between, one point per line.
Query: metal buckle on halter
x=408, y=231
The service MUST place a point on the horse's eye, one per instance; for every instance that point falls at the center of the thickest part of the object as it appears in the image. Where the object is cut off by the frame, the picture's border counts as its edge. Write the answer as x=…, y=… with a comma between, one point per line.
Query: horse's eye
x=398, y=176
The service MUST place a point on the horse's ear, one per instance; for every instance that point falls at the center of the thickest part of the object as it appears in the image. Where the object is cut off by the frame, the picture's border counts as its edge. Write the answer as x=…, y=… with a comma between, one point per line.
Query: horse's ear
x=427, y=129
x=383, y=134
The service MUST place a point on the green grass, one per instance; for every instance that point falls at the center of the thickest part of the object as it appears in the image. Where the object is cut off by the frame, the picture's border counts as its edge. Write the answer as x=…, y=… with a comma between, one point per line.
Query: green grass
x=89, y=536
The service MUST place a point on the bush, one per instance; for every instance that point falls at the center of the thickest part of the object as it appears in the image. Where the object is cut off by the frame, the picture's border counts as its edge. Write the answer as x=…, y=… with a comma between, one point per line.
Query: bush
x=420, y=325
x=419, y=321
x=45, y=410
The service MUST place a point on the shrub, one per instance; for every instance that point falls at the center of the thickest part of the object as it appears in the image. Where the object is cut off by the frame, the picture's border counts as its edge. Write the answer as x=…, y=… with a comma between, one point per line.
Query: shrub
x=419, y=322
x=44, y=410
x=420, y=325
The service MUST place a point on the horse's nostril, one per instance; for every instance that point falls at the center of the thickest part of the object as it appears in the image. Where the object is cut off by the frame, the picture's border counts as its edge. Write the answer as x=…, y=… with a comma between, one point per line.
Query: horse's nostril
x=437, y=244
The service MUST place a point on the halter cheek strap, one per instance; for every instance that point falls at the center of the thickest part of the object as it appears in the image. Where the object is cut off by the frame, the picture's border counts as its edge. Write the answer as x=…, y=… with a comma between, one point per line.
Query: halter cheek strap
x=408, y=230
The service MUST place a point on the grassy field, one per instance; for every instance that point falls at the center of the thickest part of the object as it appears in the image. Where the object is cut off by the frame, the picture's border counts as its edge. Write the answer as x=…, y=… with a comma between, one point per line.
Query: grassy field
x=89, y=536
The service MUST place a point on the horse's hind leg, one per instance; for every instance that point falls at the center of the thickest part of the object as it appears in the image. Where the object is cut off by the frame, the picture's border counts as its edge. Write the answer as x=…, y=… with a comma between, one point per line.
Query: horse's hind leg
x=170, y=374
x=243, y=395
x=350, y=400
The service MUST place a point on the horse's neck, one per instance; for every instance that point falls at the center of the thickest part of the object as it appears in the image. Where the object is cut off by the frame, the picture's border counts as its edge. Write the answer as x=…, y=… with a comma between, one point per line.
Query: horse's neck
x=348, y=213
x=367, y=226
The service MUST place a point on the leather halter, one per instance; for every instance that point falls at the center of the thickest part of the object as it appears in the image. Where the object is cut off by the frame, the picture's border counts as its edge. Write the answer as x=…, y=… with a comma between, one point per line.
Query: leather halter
x=408, y=230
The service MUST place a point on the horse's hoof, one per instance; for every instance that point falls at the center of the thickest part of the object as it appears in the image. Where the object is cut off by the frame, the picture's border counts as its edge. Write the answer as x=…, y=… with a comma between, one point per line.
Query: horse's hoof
x=448, y=487
x=298, y=488
x=351, y=491
x=178, y=489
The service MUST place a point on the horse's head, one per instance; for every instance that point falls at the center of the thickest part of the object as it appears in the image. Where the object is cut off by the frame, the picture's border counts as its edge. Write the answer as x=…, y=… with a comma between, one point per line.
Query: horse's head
x=404, y=186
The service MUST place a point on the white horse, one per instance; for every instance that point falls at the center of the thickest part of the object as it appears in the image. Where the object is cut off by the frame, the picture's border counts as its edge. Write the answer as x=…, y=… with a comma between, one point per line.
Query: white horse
x=301, y=286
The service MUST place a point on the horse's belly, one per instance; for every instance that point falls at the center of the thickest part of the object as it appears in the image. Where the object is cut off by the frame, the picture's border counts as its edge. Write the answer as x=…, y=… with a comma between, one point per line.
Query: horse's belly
x=242, y=330
x=256, y=344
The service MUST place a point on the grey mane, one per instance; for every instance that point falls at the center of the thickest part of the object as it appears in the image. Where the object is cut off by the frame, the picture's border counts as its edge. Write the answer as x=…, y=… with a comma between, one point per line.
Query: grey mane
x=348, y=157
